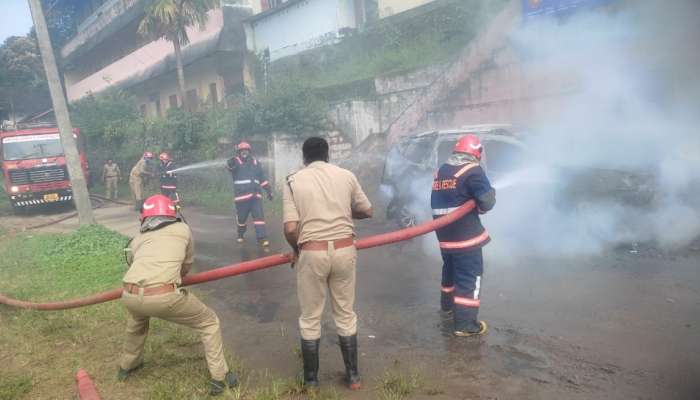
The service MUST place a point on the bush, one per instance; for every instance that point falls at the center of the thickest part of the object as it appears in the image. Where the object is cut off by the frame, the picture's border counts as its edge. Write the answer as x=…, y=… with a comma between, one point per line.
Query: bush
x=285, y=107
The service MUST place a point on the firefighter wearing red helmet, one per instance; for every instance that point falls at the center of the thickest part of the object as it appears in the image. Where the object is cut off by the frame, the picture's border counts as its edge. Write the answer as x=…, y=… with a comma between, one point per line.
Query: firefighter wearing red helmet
x=138, y=177
x=249, y=181
x=457, y=181
x=159, y=257
x=168, y=179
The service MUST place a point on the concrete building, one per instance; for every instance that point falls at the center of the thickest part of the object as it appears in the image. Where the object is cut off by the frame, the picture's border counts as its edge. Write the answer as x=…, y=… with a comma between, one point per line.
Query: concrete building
x=108, y=52
x=294, y=26
x=388, y=8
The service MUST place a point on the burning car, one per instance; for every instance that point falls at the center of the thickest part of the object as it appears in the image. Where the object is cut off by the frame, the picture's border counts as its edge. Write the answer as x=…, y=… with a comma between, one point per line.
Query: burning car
x=411, y=163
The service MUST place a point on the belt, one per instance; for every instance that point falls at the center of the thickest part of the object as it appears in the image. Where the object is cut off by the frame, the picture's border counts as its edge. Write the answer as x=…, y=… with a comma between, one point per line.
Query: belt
x=323, y=245
x=150, y=291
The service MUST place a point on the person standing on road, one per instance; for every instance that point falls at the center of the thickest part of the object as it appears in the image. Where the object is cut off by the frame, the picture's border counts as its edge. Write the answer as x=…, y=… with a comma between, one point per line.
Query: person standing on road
x=168, y=179
x=459, y=180
x=111, y=176
x=319, y=204
x=159, y=257
x=139, y=173
x=248, y=181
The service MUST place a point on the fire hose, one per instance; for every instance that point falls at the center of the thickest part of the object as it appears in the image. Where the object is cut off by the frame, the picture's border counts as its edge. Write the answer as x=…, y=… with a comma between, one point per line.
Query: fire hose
x=252, y=265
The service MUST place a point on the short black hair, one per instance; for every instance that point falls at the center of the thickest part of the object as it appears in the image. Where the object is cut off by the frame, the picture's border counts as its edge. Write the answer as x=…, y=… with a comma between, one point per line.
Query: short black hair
x=315, y=149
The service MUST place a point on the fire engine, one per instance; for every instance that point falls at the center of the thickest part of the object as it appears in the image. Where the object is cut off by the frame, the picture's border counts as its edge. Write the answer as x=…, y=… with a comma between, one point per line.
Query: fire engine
x=34, y=166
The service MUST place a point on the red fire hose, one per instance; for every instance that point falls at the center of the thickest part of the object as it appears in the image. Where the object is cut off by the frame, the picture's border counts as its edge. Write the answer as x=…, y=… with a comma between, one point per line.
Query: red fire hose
x=252, y=265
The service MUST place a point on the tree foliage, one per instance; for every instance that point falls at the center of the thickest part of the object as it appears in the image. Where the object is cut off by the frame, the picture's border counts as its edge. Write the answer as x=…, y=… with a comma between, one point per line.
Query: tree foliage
x=286, y=107
x=169, y=19
x=22, y=80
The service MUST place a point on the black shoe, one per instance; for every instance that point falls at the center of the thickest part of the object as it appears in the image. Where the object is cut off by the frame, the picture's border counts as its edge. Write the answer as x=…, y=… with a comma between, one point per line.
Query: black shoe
x=348, y=346
x=218, y=387
x=123, y=374
x=483, y=328
x=309, y=353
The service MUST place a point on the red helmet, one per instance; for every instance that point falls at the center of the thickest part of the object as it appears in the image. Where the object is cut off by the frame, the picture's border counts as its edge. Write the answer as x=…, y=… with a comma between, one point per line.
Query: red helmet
x=243, y=146
x=164, y=156
x=148, y=154
x=158, y=205
x=469, y=144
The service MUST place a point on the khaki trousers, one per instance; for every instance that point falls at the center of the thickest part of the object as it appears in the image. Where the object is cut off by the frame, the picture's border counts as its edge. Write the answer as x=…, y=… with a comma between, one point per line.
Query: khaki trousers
x=181, y=308
x=317, y=271
x=112, y=187
x=136, y=186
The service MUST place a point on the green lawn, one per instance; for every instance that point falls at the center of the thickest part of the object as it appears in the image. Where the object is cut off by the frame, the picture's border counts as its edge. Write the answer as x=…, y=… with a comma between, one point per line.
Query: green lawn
x=41, y=351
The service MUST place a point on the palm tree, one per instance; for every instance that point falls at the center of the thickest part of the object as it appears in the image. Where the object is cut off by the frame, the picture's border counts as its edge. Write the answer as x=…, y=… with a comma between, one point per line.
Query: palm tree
x=169, y=19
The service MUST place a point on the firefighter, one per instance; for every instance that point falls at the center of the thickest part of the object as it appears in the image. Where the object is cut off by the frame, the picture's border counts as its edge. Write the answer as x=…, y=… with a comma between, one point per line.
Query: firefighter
x=111, y=176
x=319, y=205
x=139, y=174
x=158, y=258
x=457, y=181
x=248, y=181
x=168, y=179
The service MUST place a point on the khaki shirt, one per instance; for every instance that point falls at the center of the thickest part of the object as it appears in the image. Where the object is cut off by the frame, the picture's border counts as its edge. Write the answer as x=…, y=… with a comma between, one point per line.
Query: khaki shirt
x=321, y=198
x=158, y=255
x=138, y=171
x=111, y=171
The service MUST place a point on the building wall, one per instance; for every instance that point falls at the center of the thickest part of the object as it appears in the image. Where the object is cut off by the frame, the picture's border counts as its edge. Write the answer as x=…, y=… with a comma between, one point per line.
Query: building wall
x=139, y=61
x=199, y=77
x=299, y=27
x=388, y=8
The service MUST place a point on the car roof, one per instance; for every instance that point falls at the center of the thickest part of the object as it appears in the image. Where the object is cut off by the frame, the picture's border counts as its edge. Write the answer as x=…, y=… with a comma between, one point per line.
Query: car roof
x=478, y=129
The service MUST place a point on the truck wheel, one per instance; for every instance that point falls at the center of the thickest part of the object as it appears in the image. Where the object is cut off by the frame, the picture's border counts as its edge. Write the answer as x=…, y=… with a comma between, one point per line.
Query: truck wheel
x=18, y=210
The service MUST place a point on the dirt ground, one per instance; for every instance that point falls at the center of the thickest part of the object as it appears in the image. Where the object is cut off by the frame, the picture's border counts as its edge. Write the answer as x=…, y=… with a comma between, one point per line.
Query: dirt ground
x=620, y=325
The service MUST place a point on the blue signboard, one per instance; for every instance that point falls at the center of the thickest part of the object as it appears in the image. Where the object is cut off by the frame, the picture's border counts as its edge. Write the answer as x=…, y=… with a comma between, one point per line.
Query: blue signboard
x=535, y=8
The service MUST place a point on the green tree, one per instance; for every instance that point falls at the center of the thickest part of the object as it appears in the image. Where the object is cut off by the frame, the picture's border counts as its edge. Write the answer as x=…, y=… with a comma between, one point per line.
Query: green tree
x=169, y=19
x=23, y=88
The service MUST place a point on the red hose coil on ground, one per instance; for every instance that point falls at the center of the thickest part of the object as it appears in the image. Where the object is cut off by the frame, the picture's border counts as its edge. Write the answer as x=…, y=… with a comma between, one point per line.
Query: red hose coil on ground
x=252, y=265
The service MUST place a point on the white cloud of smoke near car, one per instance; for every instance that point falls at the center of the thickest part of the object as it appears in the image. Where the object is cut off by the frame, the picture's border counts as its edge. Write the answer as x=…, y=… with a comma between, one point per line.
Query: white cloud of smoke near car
x=634, y=110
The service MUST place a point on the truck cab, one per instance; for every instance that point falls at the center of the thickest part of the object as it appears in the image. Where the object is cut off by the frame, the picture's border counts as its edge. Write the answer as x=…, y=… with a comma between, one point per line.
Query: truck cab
x=34, y=166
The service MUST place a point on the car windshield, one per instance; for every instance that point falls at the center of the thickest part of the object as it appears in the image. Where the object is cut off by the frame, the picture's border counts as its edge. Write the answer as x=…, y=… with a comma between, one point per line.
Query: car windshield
x=31, y=146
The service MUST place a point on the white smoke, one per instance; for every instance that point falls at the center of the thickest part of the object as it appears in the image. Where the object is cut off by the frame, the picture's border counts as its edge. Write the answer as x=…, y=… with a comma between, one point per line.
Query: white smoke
x=632, y=121
x=618, y=161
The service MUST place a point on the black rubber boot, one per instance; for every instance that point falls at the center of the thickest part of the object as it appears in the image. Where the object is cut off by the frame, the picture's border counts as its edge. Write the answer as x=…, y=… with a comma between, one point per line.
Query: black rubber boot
x=348, y=346
x=446, y=302
x=217, y=387
x=309, y=353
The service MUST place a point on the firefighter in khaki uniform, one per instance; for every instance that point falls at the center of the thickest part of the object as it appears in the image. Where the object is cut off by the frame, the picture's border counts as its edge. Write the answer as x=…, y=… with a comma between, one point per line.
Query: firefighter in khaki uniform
x=138, y=174
x=110, y=176
x=159, y=257
x=320, y=202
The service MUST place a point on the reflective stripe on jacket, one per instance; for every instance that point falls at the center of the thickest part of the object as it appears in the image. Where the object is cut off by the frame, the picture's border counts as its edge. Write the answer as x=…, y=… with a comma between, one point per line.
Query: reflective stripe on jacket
x=453, y=186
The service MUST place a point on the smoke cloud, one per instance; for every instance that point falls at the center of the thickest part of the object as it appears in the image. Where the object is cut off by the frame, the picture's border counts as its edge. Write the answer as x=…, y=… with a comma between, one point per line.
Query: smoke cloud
x=618, y=162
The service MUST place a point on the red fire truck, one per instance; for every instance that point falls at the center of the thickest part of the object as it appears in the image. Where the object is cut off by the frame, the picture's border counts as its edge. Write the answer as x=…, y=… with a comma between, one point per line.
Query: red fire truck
x=34, y=167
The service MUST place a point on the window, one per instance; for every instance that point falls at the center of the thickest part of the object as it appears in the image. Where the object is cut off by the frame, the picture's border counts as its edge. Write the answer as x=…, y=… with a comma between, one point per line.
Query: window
x=418, y=150
x=213, y=94
x=173, y=100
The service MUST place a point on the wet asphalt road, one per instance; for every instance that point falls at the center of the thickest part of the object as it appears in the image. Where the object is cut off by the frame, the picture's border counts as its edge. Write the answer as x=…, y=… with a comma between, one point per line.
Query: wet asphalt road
x=620, y=325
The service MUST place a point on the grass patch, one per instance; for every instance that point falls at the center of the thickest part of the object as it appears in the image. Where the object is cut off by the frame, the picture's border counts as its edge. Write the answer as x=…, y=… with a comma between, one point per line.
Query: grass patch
x=42, y=351
x=396, y=384
x=14, y=387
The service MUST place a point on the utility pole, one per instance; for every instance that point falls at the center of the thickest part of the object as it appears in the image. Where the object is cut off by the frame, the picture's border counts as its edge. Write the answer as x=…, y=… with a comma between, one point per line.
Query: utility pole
x=60, y=108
